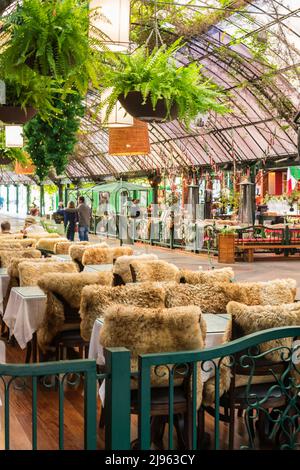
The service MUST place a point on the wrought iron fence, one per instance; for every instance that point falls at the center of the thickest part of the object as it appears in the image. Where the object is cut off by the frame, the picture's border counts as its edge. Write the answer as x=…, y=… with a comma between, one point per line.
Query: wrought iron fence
x=51, y=375
x=178, y=388
x=275, y=400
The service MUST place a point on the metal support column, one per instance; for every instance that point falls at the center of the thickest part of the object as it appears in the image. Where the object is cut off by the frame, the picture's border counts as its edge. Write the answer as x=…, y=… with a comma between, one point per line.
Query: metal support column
x=17, y=198
x=7, y=198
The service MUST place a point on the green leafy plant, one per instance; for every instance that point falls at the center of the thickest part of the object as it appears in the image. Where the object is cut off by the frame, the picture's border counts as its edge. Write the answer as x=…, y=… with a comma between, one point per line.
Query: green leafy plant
x=157, y=75
x=50, y=143
x=292, y=198
x=172, y=199
x=226, y=230
x=50, y=189
x=229, y=198
x=47, y=50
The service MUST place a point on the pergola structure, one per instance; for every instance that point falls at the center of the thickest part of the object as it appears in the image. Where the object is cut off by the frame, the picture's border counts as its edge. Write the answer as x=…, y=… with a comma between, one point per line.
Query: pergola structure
x=264, y=97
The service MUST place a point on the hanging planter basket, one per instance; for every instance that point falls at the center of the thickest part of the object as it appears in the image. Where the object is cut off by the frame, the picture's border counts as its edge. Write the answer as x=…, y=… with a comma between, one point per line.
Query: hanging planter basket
x=16, y=114
x=4, y=160
x=133, y=103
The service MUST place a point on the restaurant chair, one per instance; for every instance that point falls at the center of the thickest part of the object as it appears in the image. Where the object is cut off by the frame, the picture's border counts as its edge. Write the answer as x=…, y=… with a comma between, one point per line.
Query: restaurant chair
x=60, y=330
x=154, y=271
x=246, y=320
x=95, y=301
x=31, y=272
x=77, y=250
x=121, y=270
x=7, y=254
x=157, y=330
x=103, y=255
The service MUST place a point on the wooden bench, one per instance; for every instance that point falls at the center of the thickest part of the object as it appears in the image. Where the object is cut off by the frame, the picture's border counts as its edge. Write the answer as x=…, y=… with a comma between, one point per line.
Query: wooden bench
x=249, y=249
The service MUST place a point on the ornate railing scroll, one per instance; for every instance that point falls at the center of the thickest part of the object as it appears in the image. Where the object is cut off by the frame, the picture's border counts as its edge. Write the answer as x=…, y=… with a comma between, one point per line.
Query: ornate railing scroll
x=268, y=362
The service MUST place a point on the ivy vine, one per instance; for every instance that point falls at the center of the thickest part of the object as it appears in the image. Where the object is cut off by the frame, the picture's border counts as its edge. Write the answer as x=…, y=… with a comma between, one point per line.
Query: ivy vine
x=51, y=142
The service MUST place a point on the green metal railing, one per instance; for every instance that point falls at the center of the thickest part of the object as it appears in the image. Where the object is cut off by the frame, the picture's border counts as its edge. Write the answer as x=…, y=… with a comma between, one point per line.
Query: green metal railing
x=186, y=365
x=50, y=375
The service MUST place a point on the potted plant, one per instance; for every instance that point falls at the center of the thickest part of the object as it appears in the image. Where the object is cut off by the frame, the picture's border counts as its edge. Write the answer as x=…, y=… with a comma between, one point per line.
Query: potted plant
x=13, y=113
x=47, y=53
x=152, y=87
x=226, y=245
x=293, y=198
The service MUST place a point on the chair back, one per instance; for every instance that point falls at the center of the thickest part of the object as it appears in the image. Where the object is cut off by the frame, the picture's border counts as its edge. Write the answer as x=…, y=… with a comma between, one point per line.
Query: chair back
x=154, y=271
x=7, y=255
x=63, y=301
x=30, y=273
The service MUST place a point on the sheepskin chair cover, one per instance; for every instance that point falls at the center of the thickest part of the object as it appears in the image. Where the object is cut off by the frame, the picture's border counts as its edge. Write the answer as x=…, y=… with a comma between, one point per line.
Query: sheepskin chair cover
x=62, y=248
x=121, y=269
x=49, y=243
x=10, y=245
x=204, y=277
x=6, y=256
x=27, y=242
x=157, y=270
x=11, y=236
x=69, y=287
x=100, y=255
x=96, y=299
x=30, y=273
x=13, y=267
x=154, y=330
x=37, y=236
x=76, y=250
x=251, y=319
x=13, y=272
x=213, y=298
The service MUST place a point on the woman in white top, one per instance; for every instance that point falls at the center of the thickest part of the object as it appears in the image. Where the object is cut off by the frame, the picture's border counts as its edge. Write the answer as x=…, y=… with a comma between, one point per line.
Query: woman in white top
x=32, y=226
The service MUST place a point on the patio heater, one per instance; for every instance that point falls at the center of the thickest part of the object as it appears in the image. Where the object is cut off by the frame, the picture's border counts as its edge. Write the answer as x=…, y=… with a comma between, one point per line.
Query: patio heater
x=297, y=122
x=193, y=201
x=247, y=202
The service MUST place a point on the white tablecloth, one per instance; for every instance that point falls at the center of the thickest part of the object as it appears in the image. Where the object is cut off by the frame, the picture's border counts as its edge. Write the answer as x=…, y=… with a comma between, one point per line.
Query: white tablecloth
x=216, y=325
x=62, y=258
x=4, y=280
x=25, y=312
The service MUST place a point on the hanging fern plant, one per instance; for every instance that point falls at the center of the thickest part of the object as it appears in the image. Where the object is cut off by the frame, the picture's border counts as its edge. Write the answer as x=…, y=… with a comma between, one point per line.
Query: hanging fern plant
x=48, y=51
x=157, y=78
x=50, y=143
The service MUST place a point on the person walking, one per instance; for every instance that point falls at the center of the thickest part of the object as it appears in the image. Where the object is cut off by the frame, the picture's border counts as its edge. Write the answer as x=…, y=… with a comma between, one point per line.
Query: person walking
x=70, y=220
x=84, y=218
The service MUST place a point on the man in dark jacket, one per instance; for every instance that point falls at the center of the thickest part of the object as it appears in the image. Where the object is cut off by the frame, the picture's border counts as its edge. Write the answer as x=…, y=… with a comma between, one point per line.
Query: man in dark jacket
x=84, y=218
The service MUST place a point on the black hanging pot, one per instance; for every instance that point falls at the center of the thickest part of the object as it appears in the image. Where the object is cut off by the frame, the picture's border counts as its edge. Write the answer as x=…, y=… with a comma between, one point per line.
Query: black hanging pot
x=4, y=160
x=133, y=104
x=16, y=114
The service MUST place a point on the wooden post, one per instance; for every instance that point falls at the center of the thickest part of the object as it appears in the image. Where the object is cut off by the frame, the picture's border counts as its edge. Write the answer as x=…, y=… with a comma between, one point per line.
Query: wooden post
x=17, y=198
